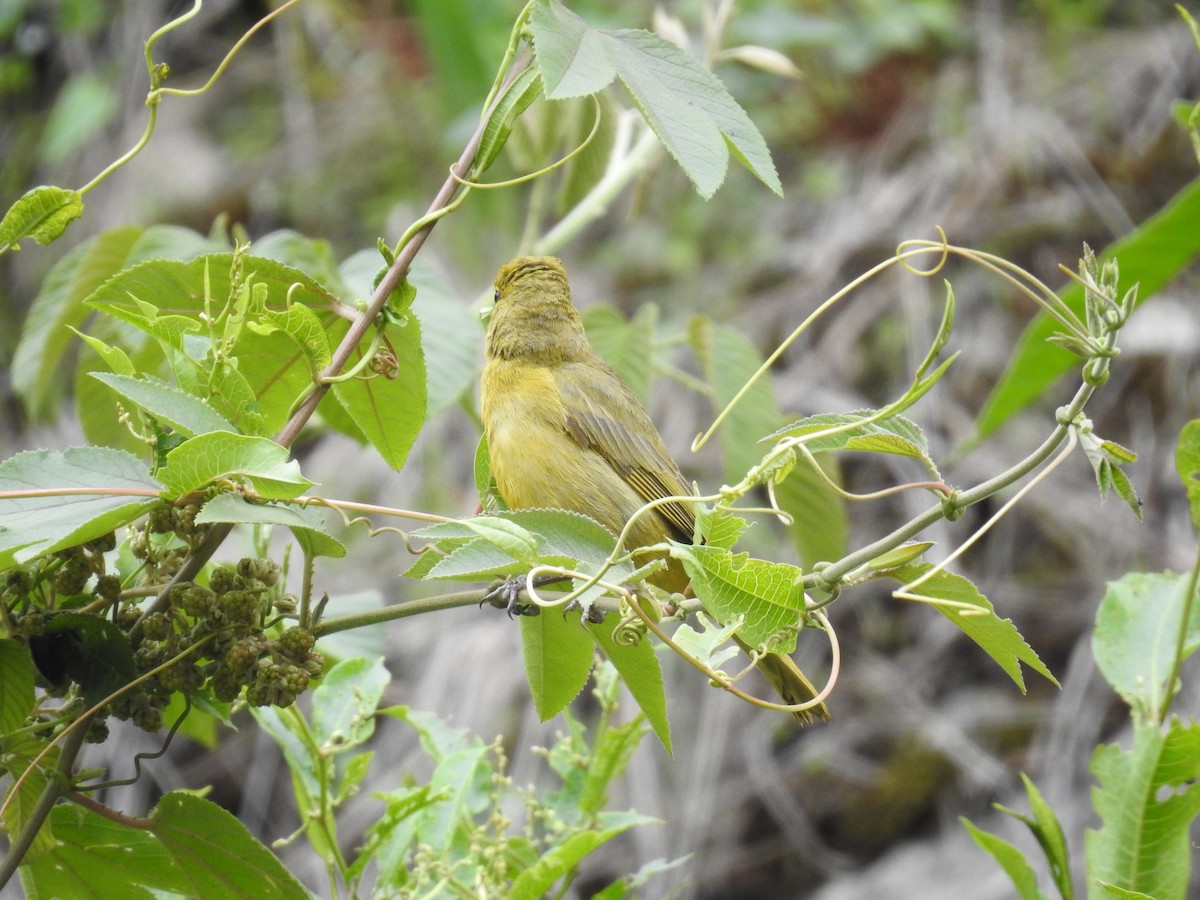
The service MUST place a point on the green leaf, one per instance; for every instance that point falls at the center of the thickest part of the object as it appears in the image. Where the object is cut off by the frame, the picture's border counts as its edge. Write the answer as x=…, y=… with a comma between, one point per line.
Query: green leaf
x=526, y=88
x=1151, y=256
x=720, y=528
x=388, y=409
x=16, y=685
x=450, y=332
x=1187, y=464
x=220, y=455
x=132, y=860
x=503, y=534
x=20, y=751
x=640, y=670
x=894, y=434
x=767, y=594
x=900, y=556
x=344, y=703
x=558, y=658
x=1107, y=458
x=461, y=784
x=1136, y=635
x=42, y=214
x=563, y=538
x=1049, y=834
x=302, y=325
x=307, y=765
x=164, y=298
x=216, y=853
x=59, y=303
x=38, y=365
x=1147, y=800
x=184, y=413
x=1011, y=859
x=727, y=359
x=114, y=357
x=685, y=104
x=975, y=615
x=309, y=524
x=626, y=345
x=33, y=526
x=536, y=881
x=311, y=256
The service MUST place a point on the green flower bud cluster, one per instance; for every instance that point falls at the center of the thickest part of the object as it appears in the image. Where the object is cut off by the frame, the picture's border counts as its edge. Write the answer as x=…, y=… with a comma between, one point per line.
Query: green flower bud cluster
x=232, y=616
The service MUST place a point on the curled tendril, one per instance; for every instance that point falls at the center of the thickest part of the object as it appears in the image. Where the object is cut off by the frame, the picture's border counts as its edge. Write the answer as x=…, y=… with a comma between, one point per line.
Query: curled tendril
x=630, y=630
x=913, y=247
x=490, y=185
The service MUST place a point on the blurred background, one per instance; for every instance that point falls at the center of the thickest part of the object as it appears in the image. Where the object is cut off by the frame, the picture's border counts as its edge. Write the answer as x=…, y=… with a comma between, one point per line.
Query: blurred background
x=1021, y=128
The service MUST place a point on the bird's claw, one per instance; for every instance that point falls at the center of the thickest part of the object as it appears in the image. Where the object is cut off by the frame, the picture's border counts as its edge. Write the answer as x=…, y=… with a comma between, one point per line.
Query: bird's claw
x=507, y=596
x=591, y=614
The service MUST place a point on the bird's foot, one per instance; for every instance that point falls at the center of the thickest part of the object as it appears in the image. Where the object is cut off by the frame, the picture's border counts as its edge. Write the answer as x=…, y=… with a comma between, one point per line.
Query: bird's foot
x=507, y=595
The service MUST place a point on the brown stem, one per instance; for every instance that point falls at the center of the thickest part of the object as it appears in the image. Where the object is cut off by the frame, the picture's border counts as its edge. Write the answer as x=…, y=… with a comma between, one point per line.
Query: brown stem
x=391, y=280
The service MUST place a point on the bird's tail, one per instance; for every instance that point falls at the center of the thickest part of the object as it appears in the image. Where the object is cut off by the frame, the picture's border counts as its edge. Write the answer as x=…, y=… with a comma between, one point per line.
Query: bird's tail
x=789, y=683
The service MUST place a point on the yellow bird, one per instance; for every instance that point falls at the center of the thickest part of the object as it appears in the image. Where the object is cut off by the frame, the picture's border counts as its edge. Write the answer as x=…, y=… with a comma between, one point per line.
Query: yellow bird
x=564, y=431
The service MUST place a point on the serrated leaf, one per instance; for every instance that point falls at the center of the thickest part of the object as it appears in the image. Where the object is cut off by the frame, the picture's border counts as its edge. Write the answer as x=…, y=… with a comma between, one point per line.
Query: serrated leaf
x=42, y=213
x=1147, y=800
x=687, y=106
x=33, y=526
x=309, y=524
x=767, y=594
x=563, y=538
x=164, y=298
x=184, y=413
x=558, y=657
x=639, y=668
x=216, y=853
x=1187, y=464
x=132, y=860
x=16, y=685
x=998, y=637
x=894, y=434
x=719, y=528
x=505, y=535
x=259, y=462
x=1136, y=636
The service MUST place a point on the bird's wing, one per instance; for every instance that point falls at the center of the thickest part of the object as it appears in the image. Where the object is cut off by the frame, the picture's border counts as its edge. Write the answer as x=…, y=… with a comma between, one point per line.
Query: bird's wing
x=596, y=408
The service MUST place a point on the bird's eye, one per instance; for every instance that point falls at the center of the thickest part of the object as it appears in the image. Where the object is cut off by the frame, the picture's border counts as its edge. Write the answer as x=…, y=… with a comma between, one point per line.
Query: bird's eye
x=496, y=296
